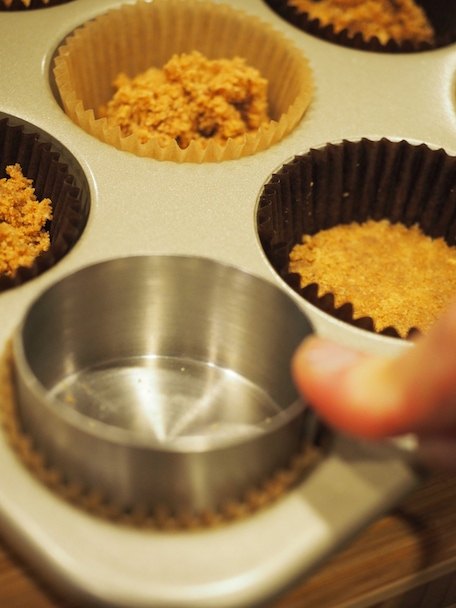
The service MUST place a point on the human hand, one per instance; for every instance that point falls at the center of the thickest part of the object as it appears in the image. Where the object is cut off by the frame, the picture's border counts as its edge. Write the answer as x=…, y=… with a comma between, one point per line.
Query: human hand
x=377, y=397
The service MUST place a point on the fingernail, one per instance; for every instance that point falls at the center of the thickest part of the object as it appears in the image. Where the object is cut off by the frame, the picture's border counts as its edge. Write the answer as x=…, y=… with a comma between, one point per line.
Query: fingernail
x=324, y=356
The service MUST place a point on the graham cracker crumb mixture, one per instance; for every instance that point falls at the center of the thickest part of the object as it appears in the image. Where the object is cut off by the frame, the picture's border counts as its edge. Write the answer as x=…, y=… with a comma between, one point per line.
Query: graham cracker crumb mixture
x=397, y=275
x=22, y=221
x=191, y=98
x=386, y=19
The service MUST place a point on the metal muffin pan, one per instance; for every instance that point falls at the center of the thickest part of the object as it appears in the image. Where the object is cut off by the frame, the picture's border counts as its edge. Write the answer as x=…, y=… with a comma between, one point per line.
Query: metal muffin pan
x=144, y=207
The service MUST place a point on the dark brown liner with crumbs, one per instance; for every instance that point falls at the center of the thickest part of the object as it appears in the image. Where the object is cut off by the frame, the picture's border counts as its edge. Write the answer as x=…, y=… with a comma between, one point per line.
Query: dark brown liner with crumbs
x=161, y=517
x=56, y=175
x=353, y=182
x=18, y=5
x=441, y=14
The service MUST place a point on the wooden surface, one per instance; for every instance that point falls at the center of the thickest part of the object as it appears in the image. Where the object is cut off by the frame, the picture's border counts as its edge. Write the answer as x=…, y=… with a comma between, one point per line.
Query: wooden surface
x=405, y=560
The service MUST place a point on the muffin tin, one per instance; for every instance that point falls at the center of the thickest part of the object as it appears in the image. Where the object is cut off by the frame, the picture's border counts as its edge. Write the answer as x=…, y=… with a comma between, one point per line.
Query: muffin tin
x=141, y=206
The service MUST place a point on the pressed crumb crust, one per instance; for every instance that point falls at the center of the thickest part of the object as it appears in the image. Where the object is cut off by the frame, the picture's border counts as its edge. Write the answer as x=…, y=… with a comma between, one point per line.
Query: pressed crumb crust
x=396, y=275
x=398, y=20
x=191, y=98
x=22, y=221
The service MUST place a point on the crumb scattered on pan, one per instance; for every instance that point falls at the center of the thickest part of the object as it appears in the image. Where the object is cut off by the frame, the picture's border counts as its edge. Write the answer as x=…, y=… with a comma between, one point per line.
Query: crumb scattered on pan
x=191, y=98
x=396, y=275
x=22, y=221
x=386, y=19
x=69, y=399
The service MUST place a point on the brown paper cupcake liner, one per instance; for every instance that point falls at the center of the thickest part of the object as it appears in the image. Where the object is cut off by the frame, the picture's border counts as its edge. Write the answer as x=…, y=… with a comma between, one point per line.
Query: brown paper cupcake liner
x=28, y=5
x=161, y=517
x=440, y=13
x=135, y=37
x=56, y=175
x=353, y=182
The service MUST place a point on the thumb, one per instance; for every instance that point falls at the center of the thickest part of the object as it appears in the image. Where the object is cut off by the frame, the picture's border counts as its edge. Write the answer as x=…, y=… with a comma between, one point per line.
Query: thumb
x=375, y=396
x=354, y=392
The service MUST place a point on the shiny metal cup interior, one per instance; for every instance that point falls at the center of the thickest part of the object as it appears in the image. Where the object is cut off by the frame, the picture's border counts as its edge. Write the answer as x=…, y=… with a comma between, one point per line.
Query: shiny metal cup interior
x=162, y=380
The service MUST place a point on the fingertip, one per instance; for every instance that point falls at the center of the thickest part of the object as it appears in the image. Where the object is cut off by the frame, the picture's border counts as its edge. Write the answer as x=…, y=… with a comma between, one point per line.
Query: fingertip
x=322, y=357
x=350, y=390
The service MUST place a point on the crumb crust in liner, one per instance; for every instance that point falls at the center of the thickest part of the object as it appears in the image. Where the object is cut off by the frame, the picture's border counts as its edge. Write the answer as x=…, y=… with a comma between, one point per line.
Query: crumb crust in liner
x=353, y=182
x=89, y=59
x=55, y=175
x=23, y=218
x=190, y=98
x=349, y=260
x=439, y=13
x=161, y=517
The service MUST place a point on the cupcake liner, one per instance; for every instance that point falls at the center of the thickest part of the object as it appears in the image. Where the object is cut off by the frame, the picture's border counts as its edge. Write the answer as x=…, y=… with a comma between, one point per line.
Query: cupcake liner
x=27, y=5
x=94, y=501
x=353, y=182
x=136, y=37
x=440, y=13
x=56, y=175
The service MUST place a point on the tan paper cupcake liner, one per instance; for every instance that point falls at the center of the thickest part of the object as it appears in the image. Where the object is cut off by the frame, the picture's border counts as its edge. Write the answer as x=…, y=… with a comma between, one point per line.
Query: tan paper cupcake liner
x=440, y=13
x=161, y=517
x=136, y=37
x=55, y=175
x=353, y=182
